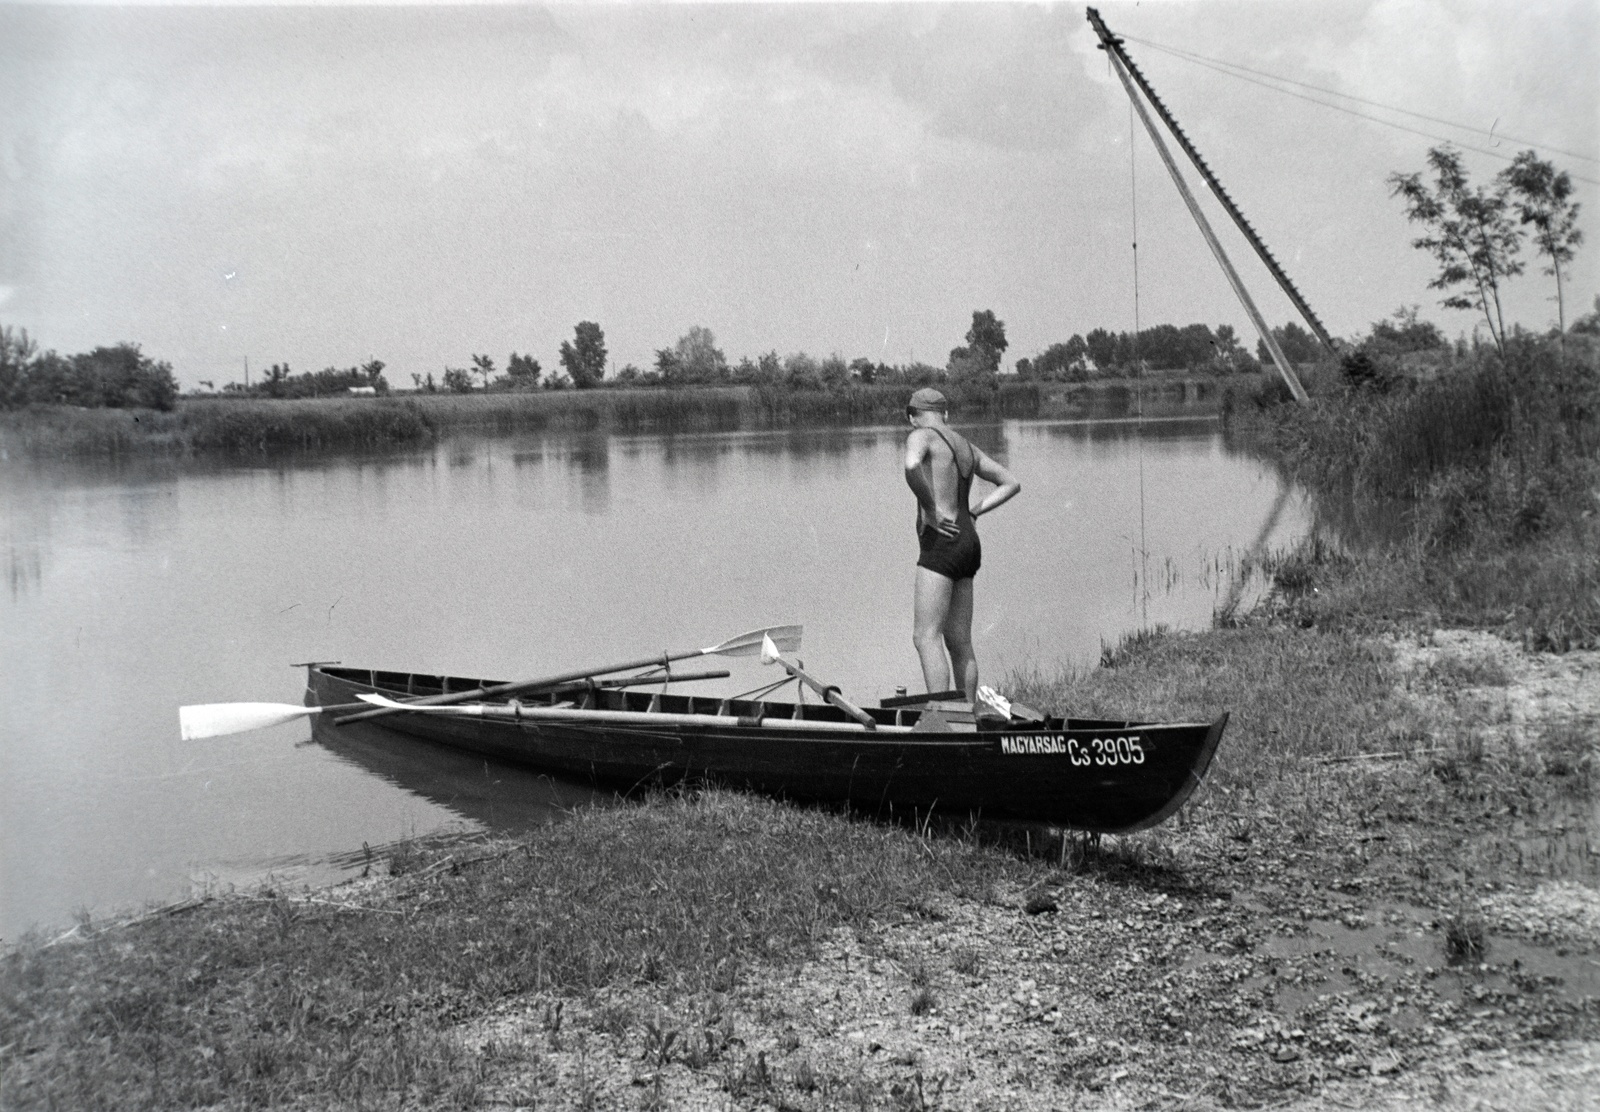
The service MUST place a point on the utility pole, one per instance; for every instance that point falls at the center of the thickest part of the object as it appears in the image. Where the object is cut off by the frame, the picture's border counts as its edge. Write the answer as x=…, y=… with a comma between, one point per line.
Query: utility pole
x=1112, y=45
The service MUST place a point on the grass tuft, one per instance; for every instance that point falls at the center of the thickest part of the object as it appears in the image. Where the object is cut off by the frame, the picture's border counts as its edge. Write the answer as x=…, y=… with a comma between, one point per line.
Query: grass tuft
x=250, y=1003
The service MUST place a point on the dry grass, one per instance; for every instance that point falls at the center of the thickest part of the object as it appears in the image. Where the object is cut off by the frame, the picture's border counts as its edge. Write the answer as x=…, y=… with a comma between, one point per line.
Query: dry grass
x=1292, y=693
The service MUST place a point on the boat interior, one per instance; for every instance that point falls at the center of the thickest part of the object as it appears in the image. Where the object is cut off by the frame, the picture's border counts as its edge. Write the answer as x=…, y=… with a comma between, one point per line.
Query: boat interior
x=941, y=712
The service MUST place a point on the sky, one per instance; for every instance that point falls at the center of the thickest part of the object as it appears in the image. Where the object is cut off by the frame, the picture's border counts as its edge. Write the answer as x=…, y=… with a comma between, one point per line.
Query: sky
x=319, y=185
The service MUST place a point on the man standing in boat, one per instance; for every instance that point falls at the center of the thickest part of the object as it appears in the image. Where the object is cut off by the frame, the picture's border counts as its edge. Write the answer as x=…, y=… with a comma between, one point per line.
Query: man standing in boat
x=940, y=464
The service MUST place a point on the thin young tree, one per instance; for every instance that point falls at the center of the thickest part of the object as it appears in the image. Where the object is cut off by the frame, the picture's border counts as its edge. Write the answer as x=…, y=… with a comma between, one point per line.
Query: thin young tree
x=1470, y=233
x=483, y=365
x=1543, y=199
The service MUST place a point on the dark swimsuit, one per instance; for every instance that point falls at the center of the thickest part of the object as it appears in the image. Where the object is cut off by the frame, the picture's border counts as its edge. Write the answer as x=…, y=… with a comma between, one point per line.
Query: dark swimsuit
x=956, y=557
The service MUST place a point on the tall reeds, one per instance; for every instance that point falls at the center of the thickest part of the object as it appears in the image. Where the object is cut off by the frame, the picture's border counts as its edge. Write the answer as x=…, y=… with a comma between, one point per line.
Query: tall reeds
x=236, y=426
x=1492, y=473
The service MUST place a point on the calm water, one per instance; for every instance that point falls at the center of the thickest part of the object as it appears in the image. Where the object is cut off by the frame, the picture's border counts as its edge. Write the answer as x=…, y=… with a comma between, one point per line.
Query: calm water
x=131, y=592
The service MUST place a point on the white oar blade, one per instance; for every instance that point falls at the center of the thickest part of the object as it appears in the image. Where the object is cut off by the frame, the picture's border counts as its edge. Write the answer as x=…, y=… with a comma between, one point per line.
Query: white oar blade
x=784, y=638
x=219, y=719
x=769, y=651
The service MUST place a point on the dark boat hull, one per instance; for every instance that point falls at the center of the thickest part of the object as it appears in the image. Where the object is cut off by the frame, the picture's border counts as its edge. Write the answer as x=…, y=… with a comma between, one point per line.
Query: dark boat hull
x=1103, y=776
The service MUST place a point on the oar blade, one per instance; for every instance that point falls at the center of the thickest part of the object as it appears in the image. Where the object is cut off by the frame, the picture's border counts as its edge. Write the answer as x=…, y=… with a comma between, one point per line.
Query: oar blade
x=785, y=638
x=204, y=720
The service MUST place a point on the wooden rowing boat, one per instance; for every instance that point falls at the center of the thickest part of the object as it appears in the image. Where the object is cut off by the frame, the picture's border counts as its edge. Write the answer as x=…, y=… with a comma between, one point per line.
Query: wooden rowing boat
x=917, y=754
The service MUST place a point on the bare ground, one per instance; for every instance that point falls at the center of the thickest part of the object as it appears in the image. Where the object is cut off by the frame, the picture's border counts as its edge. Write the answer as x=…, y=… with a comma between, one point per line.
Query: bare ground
x=1199, y=967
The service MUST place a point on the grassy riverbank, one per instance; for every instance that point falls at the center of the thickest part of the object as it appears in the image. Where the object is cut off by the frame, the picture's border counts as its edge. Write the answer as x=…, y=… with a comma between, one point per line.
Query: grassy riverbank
x=1470, y=500
x=224, y=426
x=1384, y=891
x=715, y=950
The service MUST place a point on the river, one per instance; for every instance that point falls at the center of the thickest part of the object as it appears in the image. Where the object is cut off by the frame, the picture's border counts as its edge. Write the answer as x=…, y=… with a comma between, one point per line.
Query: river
x=135, y=589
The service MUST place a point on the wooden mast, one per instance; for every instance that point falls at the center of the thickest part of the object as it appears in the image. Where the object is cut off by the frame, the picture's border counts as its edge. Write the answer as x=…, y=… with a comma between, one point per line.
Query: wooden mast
x=1267, y=338
x=1112, y=45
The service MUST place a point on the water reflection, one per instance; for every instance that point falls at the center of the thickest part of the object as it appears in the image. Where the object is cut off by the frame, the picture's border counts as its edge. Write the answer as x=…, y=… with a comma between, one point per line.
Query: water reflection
x=501, y=798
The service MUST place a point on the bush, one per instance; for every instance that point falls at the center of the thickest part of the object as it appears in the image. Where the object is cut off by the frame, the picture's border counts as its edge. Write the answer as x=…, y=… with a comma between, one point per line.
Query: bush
x=119, y=377
x=1486, y=476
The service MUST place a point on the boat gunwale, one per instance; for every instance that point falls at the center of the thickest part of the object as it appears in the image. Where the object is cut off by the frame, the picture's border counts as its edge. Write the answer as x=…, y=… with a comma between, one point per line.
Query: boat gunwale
x=513, y=709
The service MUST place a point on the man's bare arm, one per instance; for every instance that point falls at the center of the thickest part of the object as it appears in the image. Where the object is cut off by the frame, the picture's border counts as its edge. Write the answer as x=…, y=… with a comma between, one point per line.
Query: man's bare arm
x=1006, y=486
x=917, y=445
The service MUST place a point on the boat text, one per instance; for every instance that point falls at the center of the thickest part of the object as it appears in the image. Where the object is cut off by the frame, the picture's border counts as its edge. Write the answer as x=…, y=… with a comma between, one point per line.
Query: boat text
x=1092, y=751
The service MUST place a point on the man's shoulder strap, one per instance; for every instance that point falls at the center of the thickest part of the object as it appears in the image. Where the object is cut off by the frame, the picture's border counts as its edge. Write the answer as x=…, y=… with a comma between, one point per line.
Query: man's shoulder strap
x=972, y=458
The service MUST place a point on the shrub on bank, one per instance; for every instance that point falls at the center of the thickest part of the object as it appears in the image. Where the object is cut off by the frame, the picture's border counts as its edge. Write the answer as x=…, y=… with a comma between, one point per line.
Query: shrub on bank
x=1487, y=474
x=118, y=377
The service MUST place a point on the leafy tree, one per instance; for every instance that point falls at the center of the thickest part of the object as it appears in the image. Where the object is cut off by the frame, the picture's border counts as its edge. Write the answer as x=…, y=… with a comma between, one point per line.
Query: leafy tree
x=272, y=381
x=457, y=380
x=1589, y=324
x=969, y=365
x=667, y=366
x=801, y=372
x=1543, y=200
x=1230, y=353
x=863, y=371
x=1405, y=333
x=373, y=369
x=1068, y=362
x=119, y=377
x=1298, y=345
x=1102, y=348
x=835, y=372
x=986, y=339
x=523, y=371
x=1469, y=233
x=629, y=374
x=696, y=359
x=483, y=365
x=585, y=357
x=17, y=351
x=770, y=367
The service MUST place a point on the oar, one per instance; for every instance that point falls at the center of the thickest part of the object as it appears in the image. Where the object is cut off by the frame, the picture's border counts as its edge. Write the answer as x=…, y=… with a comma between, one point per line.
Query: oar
x=830, y=692
x=746, y=644
x=220, y=719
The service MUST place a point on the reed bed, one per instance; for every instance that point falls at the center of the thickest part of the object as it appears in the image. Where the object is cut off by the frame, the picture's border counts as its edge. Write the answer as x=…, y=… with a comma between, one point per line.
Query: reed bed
x=643, y=410
x=233, y=426
x=1486, y=482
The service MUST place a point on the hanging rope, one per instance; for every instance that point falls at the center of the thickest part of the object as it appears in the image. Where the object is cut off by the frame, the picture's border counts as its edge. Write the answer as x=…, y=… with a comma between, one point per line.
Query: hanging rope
x=1138, y=369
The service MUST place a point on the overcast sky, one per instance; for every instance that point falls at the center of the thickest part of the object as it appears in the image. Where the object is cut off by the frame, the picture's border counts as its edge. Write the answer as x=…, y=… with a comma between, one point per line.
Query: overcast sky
x=318, y=185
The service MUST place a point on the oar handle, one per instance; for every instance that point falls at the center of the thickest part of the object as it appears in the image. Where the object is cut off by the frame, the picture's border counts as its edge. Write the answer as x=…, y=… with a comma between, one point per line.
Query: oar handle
x=830, y=692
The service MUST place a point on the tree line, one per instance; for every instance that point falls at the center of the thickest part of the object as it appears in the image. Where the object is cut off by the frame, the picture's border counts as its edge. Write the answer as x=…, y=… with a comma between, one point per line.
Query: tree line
x=696, y=360
x=120, y=376
x=1475, y=233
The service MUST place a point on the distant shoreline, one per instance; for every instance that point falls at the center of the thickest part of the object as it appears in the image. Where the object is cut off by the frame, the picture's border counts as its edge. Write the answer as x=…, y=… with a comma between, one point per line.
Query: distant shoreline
x=229, y=427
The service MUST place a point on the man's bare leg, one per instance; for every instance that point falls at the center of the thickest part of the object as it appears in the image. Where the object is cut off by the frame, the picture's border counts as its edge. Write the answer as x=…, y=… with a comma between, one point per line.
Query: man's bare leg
x=931, y=616
x=958, y=637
